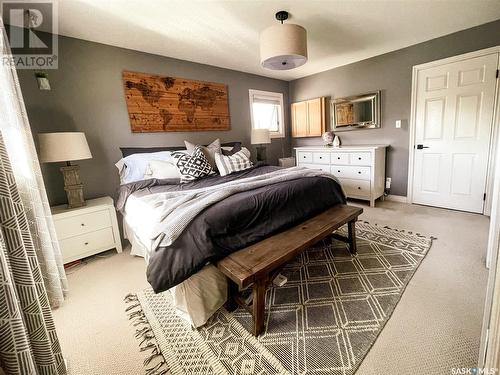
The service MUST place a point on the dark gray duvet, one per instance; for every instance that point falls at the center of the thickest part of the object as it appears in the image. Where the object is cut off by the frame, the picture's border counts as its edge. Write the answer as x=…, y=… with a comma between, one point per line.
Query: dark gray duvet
x=233, y=223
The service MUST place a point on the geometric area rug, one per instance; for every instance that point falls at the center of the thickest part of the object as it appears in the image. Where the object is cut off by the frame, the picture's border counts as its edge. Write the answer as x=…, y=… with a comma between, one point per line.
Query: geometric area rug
x=324, y=320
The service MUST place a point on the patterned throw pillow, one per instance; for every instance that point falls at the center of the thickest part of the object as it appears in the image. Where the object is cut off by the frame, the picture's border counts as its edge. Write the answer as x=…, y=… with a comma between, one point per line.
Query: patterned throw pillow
x=233, y=163
x=192, y=167
x=209, y=151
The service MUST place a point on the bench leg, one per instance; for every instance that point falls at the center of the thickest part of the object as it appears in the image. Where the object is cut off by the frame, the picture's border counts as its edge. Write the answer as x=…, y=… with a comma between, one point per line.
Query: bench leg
x=259, y=301
x=232, y=291
x=351, y=230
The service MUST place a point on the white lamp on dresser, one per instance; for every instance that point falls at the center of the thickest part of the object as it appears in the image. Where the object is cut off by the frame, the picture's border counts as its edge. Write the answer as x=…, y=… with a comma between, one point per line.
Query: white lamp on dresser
x=360, y=169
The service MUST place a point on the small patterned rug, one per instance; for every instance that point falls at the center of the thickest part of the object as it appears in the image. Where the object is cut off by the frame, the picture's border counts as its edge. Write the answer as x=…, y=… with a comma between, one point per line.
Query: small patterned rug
x=324, y=320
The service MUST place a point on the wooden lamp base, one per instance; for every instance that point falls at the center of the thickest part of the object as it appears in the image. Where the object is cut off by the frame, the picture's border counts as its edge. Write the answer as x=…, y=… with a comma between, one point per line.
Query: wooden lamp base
x=72, y=185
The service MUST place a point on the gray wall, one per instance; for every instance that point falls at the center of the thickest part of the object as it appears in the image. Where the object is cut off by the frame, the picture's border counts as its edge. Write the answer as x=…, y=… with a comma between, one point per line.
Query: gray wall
x=87, y=95
x=391, y=73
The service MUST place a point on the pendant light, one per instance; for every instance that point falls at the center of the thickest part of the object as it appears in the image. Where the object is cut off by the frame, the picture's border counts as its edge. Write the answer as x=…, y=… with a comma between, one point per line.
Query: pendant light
x=283, y=46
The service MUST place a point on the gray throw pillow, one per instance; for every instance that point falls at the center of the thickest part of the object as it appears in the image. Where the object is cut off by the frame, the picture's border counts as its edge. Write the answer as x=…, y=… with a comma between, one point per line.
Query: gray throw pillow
x=209, y=151
x=234, y=150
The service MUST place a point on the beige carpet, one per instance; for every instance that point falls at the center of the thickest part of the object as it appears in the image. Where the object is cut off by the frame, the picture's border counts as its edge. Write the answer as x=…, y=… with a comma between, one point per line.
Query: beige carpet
x=435, y=327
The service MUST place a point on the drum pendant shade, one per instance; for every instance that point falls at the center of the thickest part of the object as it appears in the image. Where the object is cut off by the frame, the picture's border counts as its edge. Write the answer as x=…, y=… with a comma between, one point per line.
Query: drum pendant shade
x=283, y=47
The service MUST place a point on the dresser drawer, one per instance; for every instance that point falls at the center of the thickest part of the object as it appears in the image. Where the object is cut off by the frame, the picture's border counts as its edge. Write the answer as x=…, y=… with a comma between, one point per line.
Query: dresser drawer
x=354, y=172
x=323, y=167
x=361, y=158
x=80, y=224
x=77, y=247
x=304, y=157
x=321, y=157
x=356, y=188
x=340, y=158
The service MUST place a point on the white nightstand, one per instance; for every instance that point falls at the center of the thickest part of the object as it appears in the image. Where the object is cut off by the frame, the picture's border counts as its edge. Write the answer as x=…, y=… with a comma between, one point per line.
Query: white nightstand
x=87, y=230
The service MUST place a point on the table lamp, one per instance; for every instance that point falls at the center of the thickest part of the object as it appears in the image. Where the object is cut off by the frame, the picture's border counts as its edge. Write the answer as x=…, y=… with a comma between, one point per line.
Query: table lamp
x=260, y=137
x=66, y=147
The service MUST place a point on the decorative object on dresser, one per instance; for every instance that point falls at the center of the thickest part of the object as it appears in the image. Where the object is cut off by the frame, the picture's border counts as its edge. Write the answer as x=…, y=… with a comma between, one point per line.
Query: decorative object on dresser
x=284, y=46
x=336, y=142
x=167, y=104
x=260, y=137
x=308, y=118
x=328, y=138
x=356, y=112
x=360, y=169
x=88, y=230
x=66, y=147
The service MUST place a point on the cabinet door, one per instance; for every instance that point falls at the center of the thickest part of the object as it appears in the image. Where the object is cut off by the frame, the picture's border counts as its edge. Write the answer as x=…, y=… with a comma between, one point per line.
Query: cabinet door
x=316, y=116
x=299, y=119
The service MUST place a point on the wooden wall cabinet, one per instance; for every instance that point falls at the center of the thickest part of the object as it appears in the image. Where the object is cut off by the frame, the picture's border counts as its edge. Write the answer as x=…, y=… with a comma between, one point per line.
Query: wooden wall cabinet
x=308, y=118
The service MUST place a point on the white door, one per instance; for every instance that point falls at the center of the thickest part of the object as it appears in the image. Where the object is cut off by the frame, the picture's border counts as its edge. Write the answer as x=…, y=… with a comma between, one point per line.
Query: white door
x=453, y=119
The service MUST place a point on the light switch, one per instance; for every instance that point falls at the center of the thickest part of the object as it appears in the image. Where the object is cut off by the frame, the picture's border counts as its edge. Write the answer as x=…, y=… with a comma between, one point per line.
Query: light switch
x=398, y=124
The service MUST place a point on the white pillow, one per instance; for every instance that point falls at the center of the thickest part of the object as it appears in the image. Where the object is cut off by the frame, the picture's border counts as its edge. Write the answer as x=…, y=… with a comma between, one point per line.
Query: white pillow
x=162, y=169
x=133, y=167
x=233, y=163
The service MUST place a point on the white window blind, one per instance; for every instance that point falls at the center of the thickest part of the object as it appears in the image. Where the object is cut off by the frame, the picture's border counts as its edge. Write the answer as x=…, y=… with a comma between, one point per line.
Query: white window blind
x=267, y=111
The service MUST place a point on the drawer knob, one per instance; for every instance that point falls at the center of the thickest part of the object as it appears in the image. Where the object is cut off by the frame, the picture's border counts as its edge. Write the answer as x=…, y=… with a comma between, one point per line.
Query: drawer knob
x=359, y=188
x=359, y=158
x=321, y=157
x=338, y=157
x=86, y=243
x=304, y=156
x=359, y=172
x=338, y=171
x=82, y=224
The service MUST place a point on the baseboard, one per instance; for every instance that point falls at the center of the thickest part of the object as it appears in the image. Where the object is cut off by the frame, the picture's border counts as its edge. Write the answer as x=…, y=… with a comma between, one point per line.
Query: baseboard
x=397, y=198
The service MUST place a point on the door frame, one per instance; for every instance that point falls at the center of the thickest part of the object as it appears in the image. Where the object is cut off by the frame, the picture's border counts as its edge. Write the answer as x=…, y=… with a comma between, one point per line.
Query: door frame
x=489, y=349
x=495, y=129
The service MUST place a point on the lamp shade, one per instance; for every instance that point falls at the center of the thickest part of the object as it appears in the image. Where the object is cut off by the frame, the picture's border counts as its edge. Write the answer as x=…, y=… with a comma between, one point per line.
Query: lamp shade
x=260, y=136
x=64, y=146
x=283, y=47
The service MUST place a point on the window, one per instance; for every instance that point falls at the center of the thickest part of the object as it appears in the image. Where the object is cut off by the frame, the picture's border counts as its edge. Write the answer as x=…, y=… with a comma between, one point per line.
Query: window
x=266, y=112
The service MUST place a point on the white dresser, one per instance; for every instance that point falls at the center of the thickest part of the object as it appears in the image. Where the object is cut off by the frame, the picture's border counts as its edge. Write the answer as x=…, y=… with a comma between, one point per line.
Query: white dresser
x=360, y=169
x=87, y=230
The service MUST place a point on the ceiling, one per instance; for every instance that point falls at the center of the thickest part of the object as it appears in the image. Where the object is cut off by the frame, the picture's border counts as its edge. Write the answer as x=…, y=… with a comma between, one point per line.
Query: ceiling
x=226, y=33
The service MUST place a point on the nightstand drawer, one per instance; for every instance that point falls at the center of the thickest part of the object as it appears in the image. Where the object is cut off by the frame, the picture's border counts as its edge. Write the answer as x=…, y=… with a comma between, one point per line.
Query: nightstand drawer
x=86, y=244
x=81, y=224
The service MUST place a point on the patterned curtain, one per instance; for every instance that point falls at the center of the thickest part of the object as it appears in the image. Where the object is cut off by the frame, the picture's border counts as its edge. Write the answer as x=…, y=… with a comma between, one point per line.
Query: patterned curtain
x=28, y=339
x=32, y=277
x=18, y=140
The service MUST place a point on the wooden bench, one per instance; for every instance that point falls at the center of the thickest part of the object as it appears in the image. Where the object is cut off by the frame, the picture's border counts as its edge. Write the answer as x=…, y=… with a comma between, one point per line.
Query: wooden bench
x=258, y=264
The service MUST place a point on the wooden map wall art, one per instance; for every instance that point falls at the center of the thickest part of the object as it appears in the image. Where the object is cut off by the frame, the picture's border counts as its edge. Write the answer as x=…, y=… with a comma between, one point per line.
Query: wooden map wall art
x=168, y=104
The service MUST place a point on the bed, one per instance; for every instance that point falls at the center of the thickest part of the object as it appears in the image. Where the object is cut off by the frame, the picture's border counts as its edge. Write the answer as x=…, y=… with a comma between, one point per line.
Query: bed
x=217, y=216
